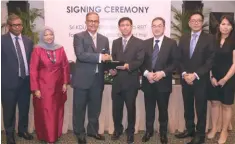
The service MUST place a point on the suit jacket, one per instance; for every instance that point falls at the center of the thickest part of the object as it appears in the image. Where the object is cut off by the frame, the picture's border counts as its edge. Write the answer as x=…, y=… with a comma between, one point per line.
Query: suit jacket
x=9, y=64
x=202, y=59
x=134, y=56
x=167, y=62
x=88, y=59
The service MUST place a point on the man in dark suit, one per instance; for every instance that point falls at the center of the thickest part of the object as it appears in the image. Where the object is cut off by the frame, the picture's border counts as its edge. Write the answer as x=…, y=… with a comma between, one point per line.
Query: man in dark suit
x=15, y=52
x=197, y=53
x=159, y=63
x=130, y=50
x=88, y=78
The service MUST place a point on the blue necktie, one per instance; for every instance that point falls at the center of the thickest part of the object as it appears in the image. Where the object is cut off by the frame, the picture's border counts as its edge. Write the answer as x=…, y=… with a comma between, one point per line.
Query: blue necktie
x=155, y=54
x=22, y=73
x=193, y=43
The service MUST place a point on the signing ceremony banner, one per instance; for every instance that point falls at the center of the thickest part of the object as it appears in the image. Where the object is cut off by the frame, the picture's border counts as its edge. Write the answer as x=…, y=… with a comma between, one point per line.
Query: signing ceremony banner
x=68, y=18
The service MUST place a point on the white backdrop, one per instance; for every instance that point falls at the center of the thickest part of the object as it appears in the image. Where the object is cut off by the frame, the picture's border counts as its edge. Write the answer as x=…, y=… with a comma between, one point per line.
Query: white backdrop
x=66, y=22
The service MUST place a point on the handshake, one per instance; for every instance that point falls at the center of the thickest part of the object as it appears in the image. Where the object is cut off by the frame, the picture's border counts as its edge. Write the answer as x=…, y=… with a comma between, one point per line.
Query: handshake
x=105, y=57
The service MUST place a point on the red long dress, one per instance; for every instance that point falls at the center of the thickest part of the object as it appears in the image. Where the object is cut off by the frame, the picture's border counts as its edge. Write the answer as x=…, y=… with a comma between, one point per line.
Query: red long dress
x=49, y=78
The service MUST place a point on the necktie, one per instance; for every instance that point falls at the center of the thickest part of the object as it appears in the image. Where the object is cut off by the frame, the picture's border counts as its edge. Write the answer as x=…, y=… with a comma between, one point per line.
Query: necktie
x=22, y=73
x=124, y=44
x=155, y=53
x=193, y=44
x=94, y=40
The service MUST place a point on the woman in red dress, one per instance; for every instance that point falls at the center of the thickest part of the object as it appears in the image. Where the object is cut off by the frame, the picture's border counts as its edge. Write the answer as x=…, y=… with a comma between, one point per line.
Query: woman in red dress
x=49, y=76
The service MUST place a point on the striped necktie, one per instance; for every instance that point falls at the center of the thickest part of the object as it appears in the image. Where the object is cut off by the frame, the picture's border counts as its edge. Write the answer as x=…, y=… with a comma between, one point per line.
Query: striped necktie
x=22, y=73
x=155, y=54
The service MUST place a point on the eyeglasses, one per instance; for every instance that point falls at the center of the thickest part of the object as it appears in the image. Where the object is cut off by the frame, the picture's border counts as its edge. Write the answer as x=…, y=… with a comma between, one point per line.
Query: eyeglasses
x=195, y=21
x=157, y=26
x=15, y=25
x=123, y=25
x=93, y=21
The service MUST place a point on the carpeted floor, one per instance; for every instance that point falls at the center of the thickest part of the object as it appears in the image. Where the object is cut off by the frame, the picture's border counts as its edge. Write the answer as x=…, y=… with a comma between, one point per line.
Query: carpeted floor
x=69, y=138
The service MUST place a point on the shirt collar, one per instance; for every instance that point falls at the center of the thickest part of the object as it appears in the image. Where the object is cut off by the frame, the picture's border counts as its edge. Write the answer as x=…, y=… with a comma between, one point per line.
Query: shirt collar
x=127, y=38
x=197, y=33
x=93, y=35
x=160, y=38
x=14, y=36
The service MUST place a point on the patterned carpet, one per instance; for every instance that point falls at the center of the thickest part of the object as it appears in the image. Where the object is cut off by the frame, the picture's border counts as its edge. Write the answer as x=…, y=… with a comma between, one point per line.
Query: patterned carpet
x=69, y=138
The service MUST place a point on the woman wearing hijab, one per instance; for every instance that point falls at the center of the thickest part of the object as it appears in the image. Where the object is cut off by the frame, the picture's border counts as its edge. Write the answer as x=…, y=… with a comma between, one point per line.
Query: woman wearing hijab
x=49, y=76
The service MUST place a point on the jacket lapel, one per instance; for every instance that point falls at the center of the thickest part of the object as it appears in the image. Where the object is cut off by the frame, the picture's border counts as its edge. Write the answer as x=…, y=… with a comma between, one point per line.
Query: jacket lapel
x=120, y=46
x=198, y=45
x=26, y=46
x=128, y=44
x=11, y=44
x=90, y=41
x=187, y=43
x=150, y=48
x=150, y=52
x=162, y=49
x=99, y=41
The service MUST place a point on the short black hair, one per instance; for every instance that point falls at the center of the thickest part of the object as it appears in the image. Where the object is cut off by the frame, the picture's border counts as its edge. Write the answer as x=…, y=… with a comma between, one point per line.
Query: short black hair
x=161, y=19
x=197, y=13
x=123, y=19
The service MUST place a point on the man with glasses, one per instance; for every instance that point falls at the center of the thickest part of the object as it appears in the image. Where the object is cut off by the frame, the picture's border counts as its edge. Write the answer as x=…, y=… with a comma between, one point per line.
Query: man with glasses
x=91, y=48
x=130, y=50
x=15, y=51
x=197, y=53
x=159, y=63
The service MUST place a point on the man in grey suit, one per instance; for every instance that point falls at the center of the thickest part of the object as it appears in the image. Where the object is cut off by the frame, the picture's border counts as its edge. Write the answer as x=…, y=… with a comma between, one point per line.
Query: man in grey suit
x=91, y=48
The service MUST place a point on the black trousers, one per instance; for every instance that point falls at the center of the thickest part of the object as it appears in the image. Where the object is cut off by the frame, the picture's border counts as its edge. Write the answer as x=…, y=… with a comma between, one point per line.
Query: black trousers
x=12, y=97
x=118, y=99
x=196, y=92
x=87, y=98
x=151, y=96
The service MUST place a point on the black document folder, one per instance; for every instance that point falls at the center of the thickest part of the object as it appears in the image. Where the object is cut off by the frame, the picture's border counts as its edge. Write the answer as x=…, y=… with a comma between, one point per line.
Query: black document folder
x=112, y=64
